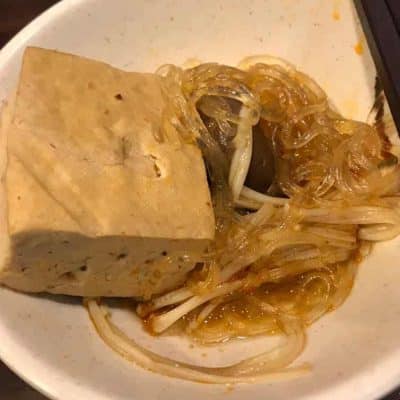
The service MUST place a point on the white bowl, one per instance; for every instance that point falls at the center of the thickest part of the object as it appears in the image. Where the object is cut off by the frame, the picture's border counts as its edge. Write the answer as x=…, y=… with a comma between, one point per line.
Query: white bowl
x=355, y=350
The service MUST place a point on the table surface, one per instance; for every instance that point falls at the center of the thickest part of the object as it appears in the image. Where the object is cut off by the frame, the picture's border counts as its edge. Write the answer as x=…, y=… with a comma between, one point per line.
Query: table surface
x=14, y=15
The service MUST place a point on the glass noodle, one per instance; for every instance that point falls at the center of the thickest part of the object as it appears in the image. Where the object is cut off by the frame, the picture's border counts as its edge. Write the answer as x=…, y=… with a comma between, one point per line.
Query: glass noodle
x=282, y=256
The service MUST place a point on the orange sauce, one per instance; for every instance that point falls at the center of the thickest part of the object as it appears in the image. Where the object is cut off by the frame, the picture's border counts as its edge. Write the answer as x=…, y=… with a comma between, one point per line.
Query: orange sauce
x=336, y=15
x=359, y=48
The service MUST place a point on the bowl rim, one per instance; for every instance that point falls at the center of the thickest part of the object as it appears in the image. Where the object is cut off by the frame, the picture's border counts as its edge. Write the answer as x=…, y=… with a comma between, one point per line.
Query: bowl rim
x=6, y=54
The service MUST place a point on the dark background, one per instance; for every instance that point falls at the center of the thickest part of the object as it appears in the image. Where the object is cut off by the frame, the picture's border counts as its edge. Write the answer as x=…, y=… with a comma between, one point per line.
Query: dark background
x=14, y=15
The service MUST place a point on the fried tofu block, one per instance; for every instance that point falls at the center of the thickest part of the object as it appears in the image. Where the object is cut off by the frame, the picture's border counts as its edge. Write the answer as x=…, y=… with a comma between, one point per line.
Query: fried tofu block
x=99, y=195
